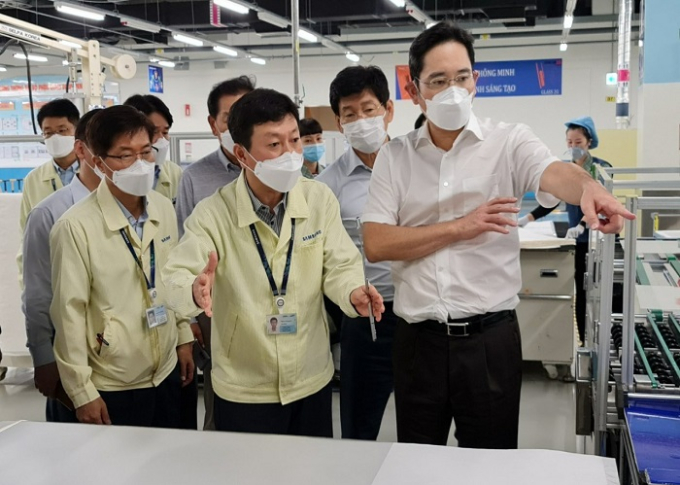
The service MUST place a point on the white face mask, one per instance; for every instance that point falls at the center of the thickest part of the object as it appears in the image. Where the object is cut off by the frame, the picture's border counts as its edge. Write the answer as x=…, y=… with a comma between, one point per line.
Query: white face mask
x=227, y=141
x=366, y=135
x=280, y=173
x=574, y=154
x=137, y=179
x=163, y=146
x=450, y=109
x=94, y=168
x=59, y=146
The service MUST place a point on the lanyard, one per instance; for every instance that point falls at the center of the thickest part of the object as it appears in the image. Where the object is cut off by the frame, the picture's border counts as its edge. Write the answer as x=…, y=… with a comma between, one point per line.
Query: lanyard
x=149, y=284
x=267, y=268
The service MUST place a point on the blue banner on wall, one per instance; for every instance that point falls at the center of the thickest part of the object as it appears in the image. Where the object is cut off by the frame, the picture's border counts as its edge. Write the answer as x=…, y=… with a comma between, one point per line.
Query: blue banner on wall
x=155, y=79
x=541, y=77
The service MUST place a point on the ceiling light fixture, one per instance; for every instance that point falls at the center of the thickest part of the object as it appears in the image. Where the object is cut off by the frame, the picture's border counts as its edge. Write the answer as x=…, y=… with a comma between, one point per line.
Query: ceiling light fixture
x=169, y=64
x=563, y=46
x=31, y=57
x=568, y=21
x=185, y=39
x=352, y=57
x=225, y=50
x=140, y=25
x=258, y=60
x=307, y=35
x=3, y=69
x=78, y=11
x=399, y=3
x=273, y=19
x=233, y=6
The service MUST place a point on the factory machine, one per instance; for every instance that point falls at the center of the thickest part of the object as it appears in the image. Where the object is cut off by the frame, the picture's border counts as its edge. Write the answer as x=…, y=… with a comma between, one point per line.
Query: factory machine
x=628, y=373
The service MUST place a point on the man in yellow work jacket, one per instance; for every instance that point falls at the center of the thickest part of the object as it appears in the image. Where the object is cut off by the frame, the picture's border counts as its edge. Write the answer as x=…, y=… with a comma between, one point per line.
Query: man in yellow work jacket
x=122, y=355
x=269, y=246
x=167, y=173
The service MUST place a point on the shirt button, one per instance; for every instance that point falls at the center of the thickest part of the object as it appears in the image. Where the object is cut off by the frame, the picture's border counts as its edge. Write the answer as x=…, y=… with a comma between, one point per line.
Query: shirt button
x=446, y=184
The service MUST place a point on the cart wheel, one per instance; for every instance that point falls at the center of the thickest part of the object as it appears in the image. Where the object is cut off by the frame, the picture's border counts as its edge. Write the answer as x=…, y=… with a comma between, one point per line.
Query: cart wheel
x=551, y=369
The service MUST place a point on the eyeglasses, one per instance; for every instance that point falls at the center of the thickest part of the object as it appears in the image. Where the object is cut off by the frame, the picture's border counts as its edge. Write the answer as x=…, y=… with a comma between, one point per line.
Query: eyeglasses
x=442, y=82
x=367, y=112
x=147, y=155
x=62, y=132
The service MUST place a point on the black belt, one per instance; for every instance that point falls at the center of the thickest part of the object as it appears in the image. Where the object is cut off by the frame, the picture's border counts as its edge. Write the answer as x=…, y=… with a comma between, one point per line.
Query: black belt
x=464, y=327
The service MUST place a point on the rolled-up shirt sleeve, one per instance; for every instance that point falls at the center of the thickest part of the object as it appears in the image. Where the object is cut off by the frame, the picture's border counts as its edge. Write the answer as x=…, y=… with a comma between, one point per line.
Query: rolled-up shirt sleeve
x=383, y=204
x=37, y=292
x=530, y=157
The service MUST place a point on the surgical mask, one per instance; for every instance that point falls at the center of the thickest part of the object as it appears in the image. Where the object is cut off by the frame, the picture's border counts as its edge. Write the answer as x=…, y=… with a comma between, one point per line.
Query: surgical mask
x=450, y=109
x=573, y=154
x=59, y=146
x=280, y=173
x=366, y=135
x=94, y=168
x=227, y=141
x=163, y=146
x=137, y=179
x=313, y=153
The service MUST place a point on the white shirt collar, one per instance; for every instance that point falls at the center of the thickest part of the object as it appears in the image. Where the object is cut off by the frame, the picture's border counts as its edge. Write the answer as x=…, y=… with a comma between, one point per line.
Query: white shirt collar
x=78, y=189
x=472, y=126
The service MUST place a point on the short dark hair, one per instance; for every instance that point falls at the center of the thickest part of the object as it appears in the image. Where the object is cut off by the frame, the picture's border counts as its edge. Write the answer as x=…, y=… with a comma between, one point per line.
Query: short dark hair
x=309, y=126
x=149, y=104
x=430, y=38
x=356, y=79
x=81, y=128
x=582, y=129
x=257, y=108
x=230, y=87
x=59, y=108
x=111, y=123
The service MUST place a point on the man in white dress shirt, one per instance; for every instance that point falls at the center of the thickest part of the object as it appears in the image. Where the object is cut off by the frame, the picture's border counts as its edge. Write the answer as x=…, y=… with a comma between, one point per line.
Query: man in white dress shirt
x=442, y=206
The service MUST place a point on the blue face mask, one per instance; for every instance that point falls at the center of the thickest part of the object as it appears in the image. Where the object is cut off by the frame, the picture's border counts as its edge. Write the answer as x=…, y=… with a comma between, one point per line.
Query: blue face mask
x=313, y=153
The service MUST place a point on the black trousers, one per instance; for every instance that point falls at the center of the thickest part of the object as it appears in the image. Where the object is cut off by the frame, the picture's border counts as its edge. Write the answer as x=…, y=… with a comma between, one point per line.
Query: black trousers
x=367, y=377
x=580, y=265
x=473, y=380
x=189, y=404
x=310, y=416
x=56, y=412
x=157, y=407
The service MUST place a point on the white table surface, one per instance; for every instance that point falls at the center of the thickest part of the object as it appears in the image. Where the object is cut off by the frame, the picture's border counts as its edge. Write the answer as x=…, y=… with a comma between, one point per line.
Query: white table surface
x=49, y=453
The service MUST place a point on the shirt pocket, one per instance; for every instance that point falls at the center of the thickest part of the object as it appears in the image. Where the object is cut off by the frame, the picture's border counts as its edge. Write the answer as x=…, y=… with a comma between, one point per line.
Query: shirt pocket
x=478, y=191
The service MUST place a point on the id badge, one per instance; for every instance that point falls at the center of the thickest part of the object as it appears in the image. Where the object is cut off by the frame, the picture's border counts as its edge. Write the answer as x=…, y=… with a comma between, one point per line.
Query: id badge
x=285, y=323
x=156, y=316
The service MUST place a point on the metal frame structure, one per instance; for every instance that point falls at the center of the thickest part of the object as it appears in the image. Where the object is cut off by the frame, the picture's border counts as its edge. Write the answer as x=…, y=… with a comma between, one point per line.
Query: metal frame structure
x=123, y=65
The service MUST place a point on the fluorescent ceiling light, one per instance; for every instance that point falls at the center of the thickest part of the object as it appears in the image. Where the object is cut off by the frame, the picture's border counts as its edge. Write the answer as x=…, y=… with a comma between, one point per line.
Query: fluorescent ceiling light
x=430, y=24
x=31, y=57
x=140, y=25
x=187, y=40
x=307, y=35
x=233, y=6
x=507, y=20
x=70, y=44
x=166, y=64
x=399, y=3
x=78, y=11
x=352, y=57
x=258, y=60
x=154, y=59
x=273, y=19
x=568, y=21
x=225, y=50
x=563, y=46
x=3, y=69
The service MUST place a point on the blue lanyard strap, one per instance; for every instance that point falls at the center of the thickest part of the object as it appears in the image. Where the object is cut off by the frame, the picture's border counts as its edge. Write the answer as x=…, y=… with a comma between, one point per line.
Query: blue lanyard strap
x=149, y=284
x=265, y=264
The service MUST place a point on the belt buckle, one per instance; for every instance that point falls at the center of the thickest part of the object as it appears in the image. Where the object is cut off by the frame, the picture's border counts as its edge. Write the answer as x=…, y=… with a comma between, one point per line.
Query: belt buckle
x=462, y=325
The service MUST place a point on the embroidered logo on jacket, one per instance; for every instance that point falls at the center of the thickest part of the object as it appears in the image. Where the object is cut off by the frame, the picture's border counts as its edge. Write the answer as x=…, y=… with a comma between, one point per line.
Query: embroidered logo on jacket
x=165, y=239
x=312, y=236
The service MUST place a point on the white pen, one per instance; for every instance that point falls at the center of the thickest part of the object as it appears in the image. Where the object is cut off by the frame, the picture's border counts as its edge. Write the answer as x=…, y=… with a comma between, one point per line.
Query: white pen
x=371, y=318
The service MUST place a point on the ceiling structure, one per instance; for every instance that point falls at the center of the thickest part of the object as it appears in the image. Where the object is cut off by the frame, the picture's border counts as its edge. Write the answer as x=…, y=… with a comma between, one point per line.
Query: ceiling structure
x=361, y=27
